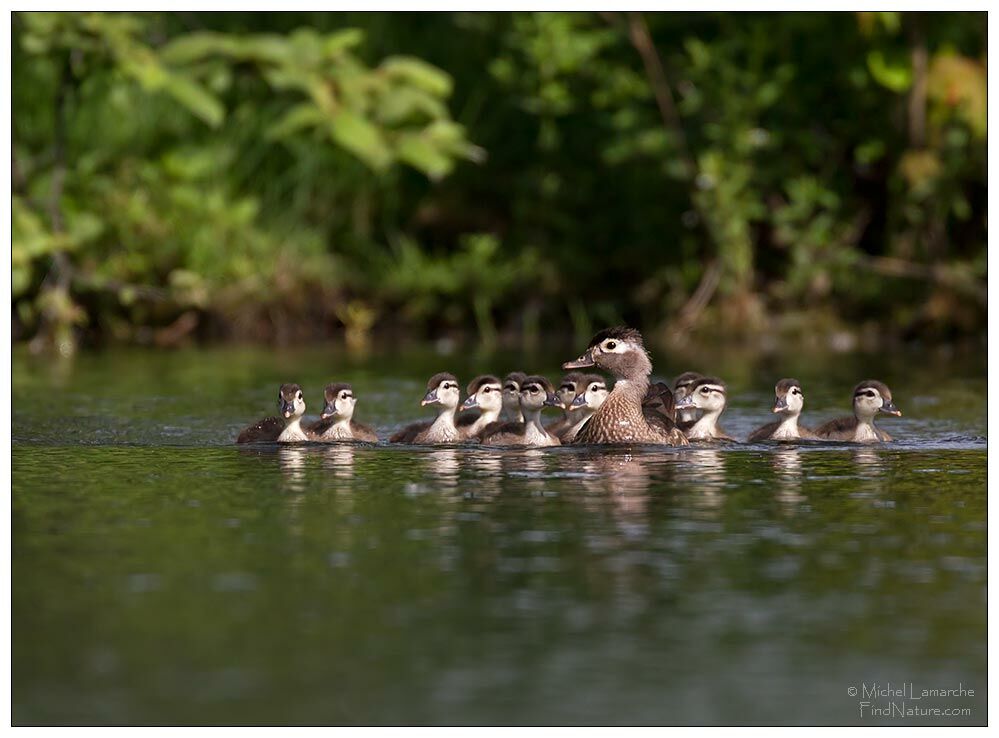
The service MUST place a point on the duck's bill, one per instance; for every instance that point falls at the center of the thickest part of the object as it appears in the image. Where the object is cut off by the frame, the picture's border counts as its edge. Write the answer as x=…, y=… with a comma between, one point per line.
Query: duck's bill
x=889, y=407
x=430, y=398
x=578, y=401
x=581, y=363
x=470, y=403
x=684, y=403
x=780, y=406
x=287, y=413
x=553, y=401
x=328, y=412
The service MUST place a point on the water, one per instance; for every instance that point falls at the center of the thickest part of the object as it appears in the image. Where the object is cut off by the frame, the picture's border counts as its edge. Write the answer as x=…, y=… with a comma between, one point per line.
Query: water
x=162, y=574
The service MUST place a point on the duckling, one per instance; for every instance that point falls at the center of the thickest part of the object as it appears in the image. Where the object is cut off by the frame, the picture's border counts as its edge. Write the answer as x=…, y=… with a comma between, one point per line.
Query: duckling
x=622, y=417
x=536, y=393
x=337, y=423
x=486, y=394
x=869, y=398
x=681, y=385
x=591, y=396
x=287, y=429
x=442, y=389
x=790, y=401
x=511, y=396
x=707, y=394
x=568, y=388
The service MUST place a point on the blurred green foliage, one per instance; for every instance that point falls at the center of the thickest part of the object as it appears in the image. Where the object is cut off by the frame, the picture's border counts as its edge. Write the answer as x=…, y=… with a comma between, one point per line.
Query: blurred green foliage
x=279, y=176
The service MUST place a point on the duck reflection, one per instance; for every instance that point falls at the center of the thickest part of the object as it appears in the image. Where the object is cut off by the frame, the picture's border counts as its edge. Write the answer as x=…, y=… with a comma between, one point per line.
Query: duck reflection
x=786, y=462
x=487, y=467
x=442, y=466
x=870, y=462
x=291, y=459
x=703, y=472
x=338, y=459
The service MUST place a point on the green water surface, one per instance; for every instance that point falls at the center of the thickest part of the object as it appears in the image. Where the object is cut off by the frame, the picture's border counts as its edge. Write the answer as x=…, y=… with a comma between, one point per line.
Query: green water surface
x=163, y=575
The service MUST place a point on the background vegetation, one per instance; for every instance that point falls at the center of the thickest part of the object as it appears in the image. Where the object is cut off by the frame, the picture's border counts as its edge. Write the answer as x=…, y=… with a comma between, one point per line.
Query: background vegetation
x=286, y=176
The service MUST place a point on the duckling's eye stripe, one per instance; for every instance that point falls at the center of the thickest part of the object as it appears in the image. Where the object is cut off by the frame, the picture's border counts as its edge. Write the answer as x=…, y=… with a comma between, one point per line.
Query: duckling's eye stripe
x=510, y=386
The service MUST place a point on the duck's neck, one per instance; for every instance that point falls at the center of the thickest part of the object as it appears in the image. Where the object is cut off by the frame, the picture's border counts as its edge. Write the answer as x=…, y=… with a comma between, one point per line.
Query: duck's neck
x=579, y=416
x=707, y=425
x=444, y=424
x=293, y=430
x=788, y=427
x=865, y=430
x=632, y=388
x=484, y=419
x=532, y=419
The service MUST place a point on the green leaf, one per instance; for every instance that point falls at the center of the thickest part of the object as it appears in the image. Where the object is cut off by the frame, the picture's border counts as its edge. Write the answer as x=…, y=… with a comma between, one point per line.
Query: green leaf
x=894, y=74
x=195, y=98
x=419, y=73
x=420, y=154
x=361, y=138
x=303, y=115
x=196, y=46
x=336, y=43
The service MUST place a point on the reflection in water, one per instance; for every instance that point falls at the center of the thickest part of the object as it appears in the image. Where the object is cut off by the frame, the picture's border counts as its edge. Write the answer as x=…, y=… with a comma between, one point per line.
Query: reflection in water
x=625, y=476
x=292, y=462
x=488, y=468
x=786, y=462
x=442, y=466
x=870, y=462
x=704, y=470
x=338, y=459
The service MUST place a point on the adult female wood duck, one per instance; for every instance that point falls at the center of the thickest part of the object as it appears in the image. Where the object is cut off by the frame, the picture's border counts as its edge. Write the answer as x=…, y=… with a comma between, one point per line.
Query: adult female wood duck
x=707, y=394
x=622, y=418
x=337, y=421
x=442, y=389
x=870, y=397
x=535, y=394
x=789, y=403
x=287, y=428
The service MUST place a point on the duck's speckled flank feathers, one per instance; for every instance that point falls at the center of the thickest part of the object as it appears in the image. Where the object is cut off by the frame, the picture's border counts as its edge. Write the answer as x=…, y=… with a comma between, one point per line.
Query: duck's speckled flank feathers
x=411, y=431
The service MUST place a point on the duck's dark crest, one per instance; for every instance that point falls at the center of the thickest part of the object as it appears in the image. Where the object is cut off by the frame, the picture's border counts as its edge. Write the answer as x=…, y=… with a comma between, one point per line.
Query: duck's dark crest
x=332, y=390
x=709, y=380
x=441, y=377
x=784, y=386
x=685, y=379
x=474, y=385
x=621, y=333
x=539, y=380
x=517, y=377
x=874, y=384
x=289, y=391
x=572, y=378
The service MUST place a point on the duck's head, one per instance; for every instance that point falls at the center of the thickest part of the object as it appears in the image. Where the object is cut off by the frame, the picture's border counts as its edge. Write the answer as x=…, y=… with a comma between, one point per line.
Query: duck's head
x=486, y=393
x=340, y=402
x=570, y=386
x=511, y=391
x=442, y=389
x=707, y=394
x=291, y=402
x=536, y=392
x=620, y=351
x=593, y=391
x=790, y=398
x=681, y=385
x=871, y=397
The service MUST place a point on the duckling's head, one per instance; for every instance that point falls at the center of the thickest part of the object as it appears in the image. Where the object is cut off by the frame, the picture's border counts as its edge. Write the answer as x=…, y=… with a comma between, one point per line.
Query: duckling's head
x=485, y=392
x=340, y=402
x=570, y=386
x=442, y=389
x=536, y=392
x=620, y=351
x=511, y=391
x=871, y=397
x=593, y=392
x=681, y=385
x=707, y=394
x=291, y=402
x=790, y=398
